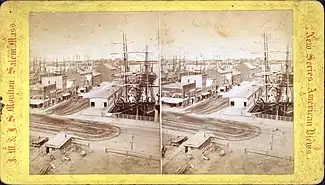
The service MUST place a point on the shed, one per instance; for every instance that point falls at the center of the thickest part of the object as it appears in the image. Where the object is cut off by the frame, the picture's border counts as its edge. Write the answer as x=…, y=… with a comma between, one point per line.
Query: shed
x=198, y=141
x=36, y=103
x=58, y=142
x=172, y=101
x=39, y=141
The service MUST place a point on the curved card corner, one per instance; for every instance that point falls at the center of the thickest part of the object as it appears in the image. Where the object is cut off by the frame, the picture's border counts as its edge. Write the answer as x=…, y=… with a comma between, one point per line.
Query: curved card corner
x=5, y=179
x=319, y=5
x=6, y=5
x=319, y=177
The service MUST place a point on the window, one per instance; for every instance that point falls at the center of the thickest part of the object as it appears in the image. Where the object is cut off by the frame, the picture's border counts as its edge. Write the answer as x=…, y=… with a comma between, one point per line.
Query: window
x=245, y=104
x=105, y=104
x=92, y=104
x=188, y=80
x=49, y=82
x=232, y=103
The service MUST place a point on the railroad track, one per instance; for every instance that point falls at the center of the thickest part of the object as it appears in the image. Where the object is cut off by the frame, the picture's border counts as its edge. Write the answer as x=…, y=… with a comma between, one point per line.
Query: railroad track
x=215, y=108
x=209, y=107
x=83, y=129
x=71, y=107
x=225, y=130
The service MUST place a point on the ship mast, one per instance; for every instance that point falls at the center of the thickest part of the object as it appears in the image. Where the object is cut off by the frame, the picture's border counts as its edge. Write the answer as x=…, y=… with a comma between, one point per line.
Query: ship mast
x=266, y=66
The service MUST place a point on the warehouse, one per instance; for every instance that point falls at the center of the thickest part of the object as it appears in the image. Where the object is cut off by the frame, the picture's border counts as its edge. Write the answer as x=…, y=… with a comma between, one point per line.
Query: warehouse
x=244, y=95
x=103, y=96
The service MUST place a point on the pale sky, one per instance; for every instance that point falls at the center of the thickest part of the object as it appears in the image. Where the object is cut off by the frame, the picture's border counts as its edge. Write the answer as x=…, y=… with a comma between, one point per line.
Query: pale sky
x=227, y=34
x=92, y=34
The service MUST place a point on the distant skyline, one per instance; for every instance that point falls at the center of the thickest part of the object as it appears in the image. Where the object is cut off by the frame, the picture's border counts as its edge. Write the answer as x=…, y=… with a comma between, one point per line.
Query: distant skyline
x=201, y=35
x=226, y=34
x=92, y=34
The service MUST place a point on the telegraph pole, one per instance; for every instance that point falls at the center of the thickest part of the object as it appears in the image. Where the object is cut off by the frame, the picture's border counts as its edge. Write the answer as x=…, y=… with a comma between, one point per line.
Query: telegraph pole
x=272, y=137
x=132, y=142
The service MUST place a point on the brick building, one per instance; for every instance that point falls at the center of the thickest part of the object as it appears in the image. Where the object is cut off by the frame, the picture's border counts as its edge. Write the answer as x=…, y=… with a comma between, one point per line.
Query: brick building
x=178, y=94
x=40, y=95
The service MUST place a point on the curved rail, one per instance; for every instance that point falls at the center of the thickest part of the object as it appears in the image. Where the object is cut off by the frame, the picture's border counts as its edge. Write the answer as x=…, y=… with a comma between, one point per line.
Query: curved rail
x=225, y=130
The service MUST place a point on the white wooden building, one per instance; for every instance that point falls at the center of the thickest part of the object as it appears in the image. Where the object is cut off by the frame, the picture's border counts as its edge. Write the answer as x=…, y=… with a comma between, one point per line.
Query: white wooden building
x=103, y=96
x=243, y=96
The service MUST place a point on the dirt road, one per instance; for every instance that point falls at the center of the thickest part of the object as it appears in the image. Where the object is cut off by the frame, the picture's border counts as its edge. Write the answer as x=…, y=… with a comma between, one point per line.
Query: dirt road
x=226, y=130
x=84, y=129
x=209, y=106
x=71, y=106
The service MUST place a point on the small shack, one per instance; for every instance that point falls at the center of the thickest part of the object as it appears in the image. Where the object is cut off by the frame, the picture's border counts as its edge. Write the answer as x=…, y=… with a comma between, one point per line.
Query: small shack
x=197, y=142
x=59, y=142
x=39, y=141
x=36, y=103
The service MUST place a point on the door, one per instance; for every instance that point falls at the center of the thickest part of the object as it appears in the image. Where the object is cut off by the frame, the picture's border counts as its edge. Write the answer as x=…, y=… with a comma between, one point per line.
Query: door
x=105, y=104
x=232, y=103
x=92, y=104
x=245, y=104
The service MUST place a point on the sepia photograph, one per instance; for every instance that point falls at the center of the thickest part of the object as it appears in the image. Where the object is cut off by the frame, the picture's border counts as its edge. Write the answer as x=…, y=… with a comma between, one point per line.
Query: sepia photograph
x=94, y=93
x=223, y=81
x=227, y=92
x=162, y=92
